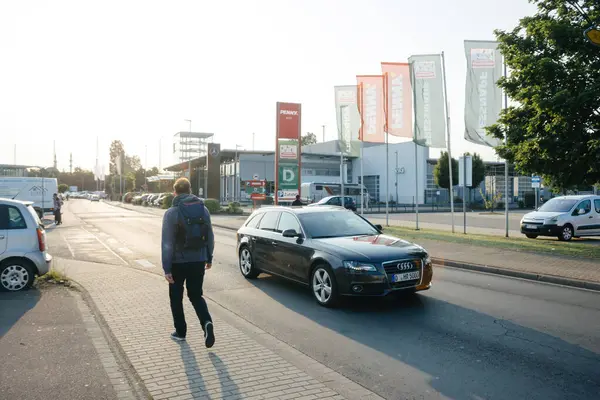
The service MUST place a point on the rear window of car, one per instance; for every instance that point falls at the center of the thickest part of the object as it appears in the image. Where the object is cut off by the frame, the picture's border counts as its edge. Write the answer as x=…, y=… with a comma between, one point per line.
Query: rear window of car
x=254, y=220
x=11, y=218
x=269, y=221
x=35, y=216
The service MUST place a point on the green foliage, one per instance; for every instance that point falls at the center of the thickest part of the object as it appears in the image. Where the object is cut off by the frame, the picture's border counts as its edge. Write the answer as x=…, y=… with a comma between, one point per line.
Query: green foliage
x=308, y=138
x=441, y=172
x=553, y=129
x=62, y=188
x=478, y=170
x=493, y=202
x=521, y=204
x=213, y=205
x=167, y=201
x=234, y=208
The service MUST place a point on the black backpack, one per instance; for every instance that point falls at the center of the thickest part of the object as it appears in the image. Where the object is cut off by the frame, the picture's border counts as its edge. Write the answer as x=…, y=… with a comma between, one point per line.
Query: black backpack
x=193, y=224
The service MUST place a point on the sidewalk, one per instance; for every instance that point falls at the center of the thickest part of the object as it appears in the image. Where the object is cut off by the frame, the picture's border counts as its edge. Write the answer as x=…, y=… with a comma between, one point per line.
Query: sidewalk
x=245, y=362
x=489, y=258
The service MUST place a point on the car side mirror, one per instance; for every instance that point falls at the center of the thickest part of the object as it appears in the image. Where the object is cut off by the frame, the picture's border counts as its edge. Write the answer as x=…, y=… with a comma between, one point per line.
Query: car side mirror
x=290, y=233
x=379, y=228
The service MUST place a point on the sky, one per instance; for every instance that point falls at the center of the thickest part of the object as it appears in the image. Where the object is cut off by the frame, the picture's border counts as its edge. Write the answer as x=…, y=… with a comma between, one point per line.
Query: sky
x=76, y=72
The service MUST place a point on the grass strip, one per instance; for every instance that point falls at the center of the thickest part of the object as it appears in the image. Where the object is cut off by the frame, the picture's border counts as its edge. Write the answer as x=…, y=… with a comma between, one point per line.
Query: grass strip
x=546, y=246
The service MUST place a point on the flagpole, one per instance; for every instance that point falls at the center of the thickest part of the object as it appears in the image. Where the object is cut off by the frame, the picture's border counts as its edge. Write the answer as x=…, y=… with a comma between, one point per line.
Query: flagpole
x=362, y=182
x=451, y=189
x=417, y=184
x=505, y=164
x=387, y=150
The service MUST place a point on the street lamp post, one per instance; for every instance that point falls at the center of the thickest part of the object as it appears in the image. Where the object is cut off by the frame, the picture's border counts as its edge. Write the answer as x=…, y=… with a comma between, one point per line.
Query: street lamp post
x=190, y=157
x=235, y=172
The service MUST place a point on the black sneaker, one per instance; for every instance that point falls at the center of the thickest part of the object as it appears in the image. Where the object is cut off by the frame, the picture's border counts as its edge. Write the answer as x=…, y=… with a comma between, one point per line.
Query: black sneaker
x=175, y=336
x=209, y=335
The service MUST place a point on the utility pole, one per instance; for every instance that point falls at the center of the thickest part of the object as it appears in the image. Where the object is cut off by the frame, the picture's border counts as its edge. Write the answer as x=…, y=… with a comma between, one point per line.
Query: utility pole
x=396, y=178
x=160, y=154
x=145, y=165
x=189, y=154
x=323, y=133
x=54, y=145
x=70, y=163
x=97, y=172
x=252, y=141
x=15, y=155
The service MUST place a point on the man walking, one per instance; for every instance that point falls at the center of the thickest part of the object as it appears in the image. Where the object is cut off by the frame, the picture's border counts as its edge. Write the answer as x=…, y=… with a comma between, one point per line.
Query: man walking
x=187, y=252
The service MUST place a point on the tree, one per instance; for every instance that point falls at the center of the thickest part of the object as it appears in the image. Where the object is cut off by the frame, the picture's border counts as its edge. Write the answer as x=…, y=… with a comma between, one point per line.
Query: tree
x=554, y=128
x=62, y=188
x=441, y=173
x=308, y=139
x=116, y=149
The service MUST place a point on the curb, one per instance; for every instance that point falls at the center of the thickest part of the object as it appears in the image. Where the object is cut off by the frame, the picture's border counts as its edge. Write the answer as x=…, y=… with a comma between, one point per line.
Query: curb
x=557, y=280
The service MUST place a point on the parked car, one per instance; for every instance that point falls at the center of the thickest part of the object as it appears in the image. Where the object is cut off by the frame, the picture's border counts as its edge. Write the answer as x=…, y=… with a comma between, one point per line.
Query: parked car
x=349, y=202
x=565, y=217
x=94, y=197
x=334, y=251
x=22, y=245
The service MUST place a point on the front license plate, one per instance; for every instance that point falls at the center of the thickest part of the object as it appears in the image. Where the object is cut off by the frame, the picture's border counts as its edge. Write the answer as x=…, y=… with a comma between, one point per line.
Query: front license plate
x=407, y=276
x=531, y=226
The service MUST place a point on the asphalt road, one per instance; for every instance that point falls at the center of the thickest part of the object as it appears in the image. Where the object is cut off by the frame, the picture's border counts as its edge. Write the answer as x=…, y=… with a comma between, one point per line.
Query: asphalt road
x=46, y=351
x=472, y=336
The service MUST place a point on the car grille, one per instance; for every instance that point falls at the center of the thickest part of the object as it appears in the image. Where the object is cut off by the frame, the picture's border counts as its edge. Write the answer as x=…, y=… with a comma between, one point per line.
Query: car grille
x=391, y=267
x=533, y=223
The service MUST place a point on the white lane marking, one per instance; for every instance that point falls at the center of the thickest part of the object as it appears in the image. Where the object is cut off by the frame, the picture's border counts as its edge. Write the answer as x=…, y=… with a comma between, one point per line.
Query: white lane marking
x=125, y=250
x=145, y=263
x=69, y=246
x=107, y=248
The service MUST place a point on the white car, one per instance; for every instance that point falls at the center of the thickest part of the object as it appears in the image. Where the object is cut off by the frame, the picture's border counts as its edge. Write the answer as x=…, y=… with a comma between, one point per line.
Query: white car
x=94, y=197
x=23, y=251
x=565, y=217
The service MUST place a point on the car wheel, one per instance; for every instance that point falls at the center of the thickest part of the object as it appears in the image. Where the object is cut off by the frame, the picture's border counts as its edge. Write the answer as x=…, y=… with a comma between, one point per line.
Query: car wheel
x=530, y=236
x=324, y=287
x=566, y=234
x=247, y=267
x=15, y=275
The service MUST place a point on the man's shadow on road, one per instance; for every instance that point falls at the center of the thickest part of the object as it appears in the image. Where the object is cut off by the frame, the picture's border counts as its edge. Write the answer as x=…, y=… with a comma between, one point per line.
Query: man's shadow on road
x=194, y=374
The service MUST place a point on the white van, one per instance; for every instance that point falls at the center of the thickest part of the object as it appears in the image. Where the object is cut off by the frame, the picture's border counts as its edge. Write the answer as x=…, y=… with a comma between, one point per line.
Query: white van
x=39, y=191
x=565, y=217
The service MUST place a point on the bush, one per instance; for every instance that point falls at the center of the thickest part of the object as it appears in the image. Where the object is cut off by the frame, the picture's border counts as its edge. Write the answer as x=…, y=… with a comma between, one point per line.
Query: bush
x=234, y=208
x=167, y=201
x=500, y=205
x=458, y=200
x=213, y=205
x=62, y=188
x=521, y=204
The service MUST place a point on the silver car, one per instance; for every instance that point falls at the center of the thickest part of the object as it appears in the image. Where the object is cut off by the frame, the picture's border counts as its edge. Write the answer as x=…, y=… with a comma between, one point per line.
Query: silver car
x=22, y=245
x=564, y=217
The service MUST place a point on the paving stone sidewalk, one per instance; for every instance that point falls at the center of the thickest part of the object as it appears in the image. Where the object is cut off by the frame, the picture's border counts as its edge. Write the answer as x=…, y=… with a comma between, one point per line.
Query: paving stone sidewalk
x=245, y=363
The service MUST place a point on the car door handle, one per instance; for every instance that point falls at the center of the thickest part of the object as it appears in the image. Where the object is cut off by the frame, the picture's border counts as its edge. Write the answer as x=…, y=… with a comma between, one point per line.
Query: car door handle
x=274, y=243
x=1, y=237
x=591, y=216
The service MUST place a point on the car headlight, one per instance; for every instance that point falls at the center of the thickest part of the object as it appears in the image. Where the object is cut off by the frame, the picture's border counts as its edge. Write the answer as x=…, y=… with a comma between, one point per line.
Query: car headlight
x=554, y=219
x=428, y=260
x=358, y=267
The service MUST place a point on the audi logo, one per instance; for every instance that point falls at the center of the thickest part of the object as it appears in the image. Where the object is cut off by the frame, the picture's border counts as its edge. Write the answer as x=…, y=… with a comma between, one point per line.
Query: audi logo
x=404, y=266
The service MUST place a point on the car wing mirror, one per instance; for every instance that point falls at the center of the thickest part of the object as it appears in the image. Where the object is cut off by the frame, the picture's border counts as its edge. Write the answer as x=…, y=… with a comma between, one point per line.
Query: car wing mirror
x=290, y=233
x=379, y=228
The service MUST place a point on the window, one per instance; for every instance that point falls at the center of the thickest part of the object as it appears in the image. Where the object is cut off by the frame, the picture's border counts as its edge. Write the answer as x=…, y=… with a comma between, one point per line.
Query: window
x=597, y=206
x=269, y=221
x=253, y=222
x=335, y=201
x=11, y=218
x=335, y=224
x=288, y=221
x=585, y=205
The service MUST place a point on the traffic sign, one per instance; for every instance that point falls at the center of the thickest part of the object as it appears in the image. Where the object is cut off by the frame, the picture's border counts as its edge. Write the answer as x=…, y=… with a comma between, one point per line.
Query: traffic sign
x=535, y=182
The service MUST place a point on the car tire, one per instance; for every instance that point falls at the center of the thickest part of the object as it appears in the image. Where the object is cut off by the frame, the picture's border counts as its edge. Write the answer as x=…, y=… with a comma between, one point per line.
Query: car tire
x=16, y=275
x=530, y=236
x=246, y=262
x=324, y=287
x=566, y=233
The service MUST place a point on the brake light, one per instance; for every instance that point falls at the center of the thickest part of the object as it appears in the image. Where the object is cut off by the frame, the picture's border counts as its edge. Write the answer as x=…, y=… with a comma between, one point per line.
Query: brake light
x=41, y=239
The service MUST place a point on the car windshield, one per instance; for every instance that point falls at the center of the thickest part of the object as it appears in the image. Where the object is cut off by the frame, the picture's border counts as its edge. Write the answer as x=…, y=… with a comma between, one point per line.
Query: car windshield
x=321, y=225
x=323, y=200
x=558, y=205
